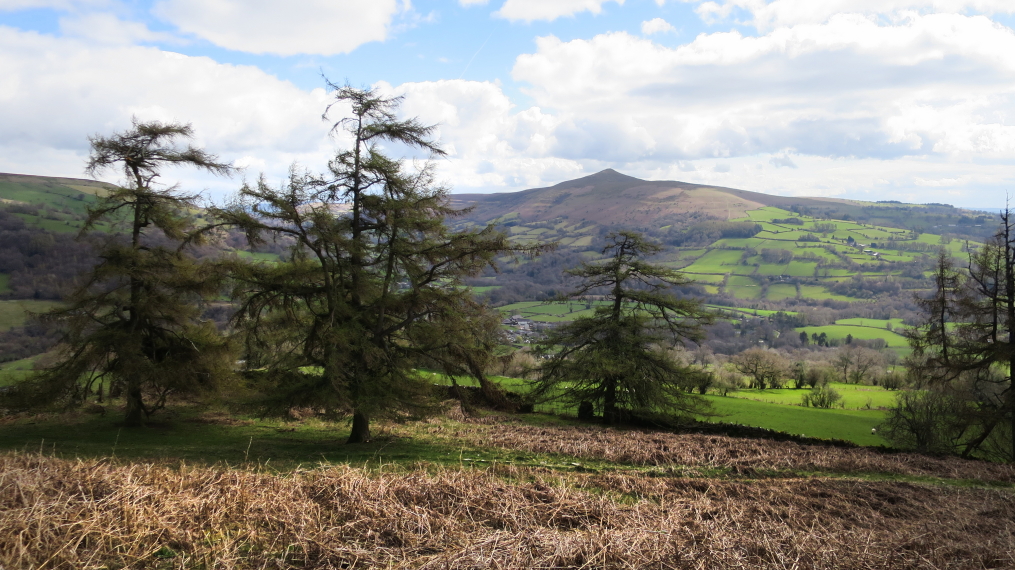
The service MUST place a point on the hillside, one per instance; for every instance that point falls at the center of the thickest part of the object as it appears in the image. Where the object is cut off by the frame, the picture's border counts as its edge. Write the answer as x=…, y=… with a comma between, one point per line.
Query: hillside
x=742, y=249
x=609, y=198
x=215, y=491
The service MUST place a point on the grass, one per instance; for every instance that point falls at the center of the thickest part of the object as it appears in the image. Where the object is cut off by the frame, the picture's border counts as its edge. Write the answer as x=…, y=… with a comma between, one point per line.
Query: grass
x=896, y=324
x=777, y=410
x=837, y=331
x=854, y=396
x=820, y=293
x=184, y=434
x=743, y=287
x=781, y=291
x=5, y=283
x=715, y=261
x=850, y=425
x=15, y=313
x=16, y=370
x=547, y=312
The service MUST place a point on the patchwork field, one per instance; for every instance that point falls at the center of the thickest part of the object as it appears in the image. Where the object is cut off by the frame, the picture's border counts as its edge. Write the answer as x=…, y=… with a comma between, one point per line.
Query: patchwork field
x=817, y=254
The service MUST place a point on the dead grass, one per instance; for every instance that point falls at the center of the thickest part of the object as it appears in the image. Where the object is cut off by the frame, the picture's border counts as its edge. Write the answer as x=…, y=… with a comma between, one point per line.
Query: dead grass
x=57, y=513
x=737, y=454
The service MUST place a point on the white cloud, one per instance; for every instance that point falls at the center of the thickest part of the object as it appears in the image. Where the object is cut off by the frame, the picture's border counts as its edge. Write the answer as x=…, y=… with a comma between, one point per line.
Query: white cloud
x=56, y=92
x=491, y=144
x=922, y=90
x=656, y=26
x=325, y=27
x=105, y=28
x=549, y=10
x=13, y=5
x=768, y=15
x=472, y=2
x=782, y=161
x=937, y=83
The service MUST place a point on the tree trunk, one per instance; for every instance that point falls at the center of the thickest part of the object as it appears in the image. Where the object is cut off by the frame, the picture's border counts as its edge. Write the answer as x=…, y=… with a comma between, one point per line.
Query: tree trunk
x=610, y=415
x=360, y=428
x=135, y=407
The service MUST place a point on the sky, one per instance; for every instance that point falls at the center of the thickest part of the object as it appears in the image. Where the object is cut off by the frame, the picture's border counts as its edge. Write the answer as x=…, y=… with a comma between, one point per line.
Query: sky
x=908, y=100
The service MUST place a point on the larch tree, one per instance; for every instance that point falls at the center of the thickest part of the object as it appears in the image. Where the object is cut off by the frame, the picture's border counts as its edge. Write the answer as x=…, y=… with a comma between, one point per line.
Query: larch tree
x=617, y=359
x=133, y=324
x=964, y=354
x=373, y=280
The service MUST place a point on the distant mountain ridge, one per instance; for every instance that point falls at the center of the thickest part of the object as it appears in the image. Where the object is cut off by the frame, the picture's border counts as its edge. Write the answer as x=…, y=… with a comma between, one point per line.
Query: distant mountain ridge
x=612, y=199
x=609, y=197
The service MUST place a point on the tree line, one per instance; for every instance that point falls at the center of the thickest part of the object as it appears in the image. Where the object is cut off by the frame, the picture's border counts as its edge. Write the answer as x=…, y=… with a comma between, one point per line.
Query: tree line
x=371, y=285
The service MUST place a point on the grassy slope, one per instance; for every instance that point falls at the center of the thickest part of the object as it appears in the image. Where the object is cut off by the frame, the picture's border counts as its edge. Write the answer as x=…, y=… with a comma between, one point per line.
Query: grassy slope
x=850, y=425
x=854, y=396
x=16, y=370
x=15, y=313
x=895, y=341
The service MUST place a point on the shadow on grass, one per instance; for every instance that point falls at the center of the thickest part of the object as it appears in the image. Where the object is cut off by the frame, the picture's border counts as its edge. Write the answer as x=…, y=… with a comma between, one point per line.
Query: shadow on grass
x=184, y=435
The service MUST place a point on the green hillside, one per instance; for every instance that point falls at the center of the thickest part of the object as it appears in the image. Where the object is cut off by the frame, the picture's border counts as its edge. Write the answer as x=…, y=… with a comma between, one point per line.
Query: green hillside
x=53, y=204
x=812, y=257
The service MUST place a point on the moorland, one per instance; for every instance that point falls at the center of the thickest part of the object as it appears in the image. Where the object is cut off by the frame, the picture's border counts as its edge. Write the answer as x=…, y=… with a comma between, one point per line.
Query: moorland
x=760, y=482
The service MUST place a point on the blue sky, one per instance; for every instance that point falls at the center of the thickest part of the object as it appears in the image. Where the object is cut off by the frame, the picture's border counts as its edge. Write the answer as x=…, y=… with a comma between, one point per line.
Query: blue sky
x=876, y=100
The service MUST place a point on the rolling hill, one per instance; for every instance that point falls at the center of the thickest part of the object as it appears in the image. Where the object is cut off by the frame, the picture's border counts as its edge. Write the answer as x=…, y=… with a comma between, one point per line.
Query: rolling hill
x=609, y=198
x=743, y=248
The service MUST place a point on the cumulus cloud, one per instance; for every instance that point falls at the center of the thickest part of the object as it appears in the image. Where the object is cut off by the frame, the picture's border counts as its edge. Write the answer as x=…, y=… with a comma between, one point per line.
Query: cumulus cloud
x=56, y=92
x=770, y=14
x=492, y=145
x=656, y=26
x=13, y=5
x=549, y=10
x=851, y=87
x=105, y=28
x=782, y=161
x=325, y=27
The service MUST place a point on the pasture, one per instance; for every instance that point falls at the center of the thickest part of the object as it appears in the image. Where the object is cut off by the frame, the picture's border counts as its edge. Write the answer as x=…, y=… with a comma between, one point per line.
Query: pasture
x=849, y=425
x=854, y=396
x=895, y=341
x=15, y=313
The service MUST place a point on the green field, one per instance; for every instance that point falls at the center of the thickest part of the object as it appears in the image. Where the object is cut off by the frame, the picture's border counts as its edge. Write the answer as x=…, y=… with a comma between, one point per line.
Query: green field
x=771, y=409
x=820, y=293
x=850, y=425
x=15, y=313
x=810, y=259
x=743, y=287
x=854, y=396
x=547, y=312
x=5, y=282
x=781, y=291
x=16, y=370
x=896, y=324
x=895, y=341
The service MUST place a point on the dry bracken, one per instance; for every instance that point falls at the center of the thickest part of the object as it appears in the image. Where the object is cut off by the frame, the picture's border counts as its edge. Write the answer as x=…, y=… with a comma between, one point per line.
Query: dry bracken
x=639, y=447
x=57, y=513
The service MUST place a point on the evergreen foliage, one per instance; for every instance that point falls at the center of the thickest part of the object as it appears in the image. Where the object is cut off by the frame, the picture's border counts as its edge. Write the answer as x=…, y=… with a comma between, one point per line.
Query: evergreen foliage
x=373, y=282
x=616, y=359
x=964, y=352
x=133, y=324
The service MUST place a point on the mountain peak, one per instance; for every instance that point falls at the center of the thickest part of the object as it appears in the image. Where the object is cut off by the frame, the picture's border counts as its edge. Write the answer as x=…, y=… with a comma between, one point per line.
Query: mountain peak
x=607, y=176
